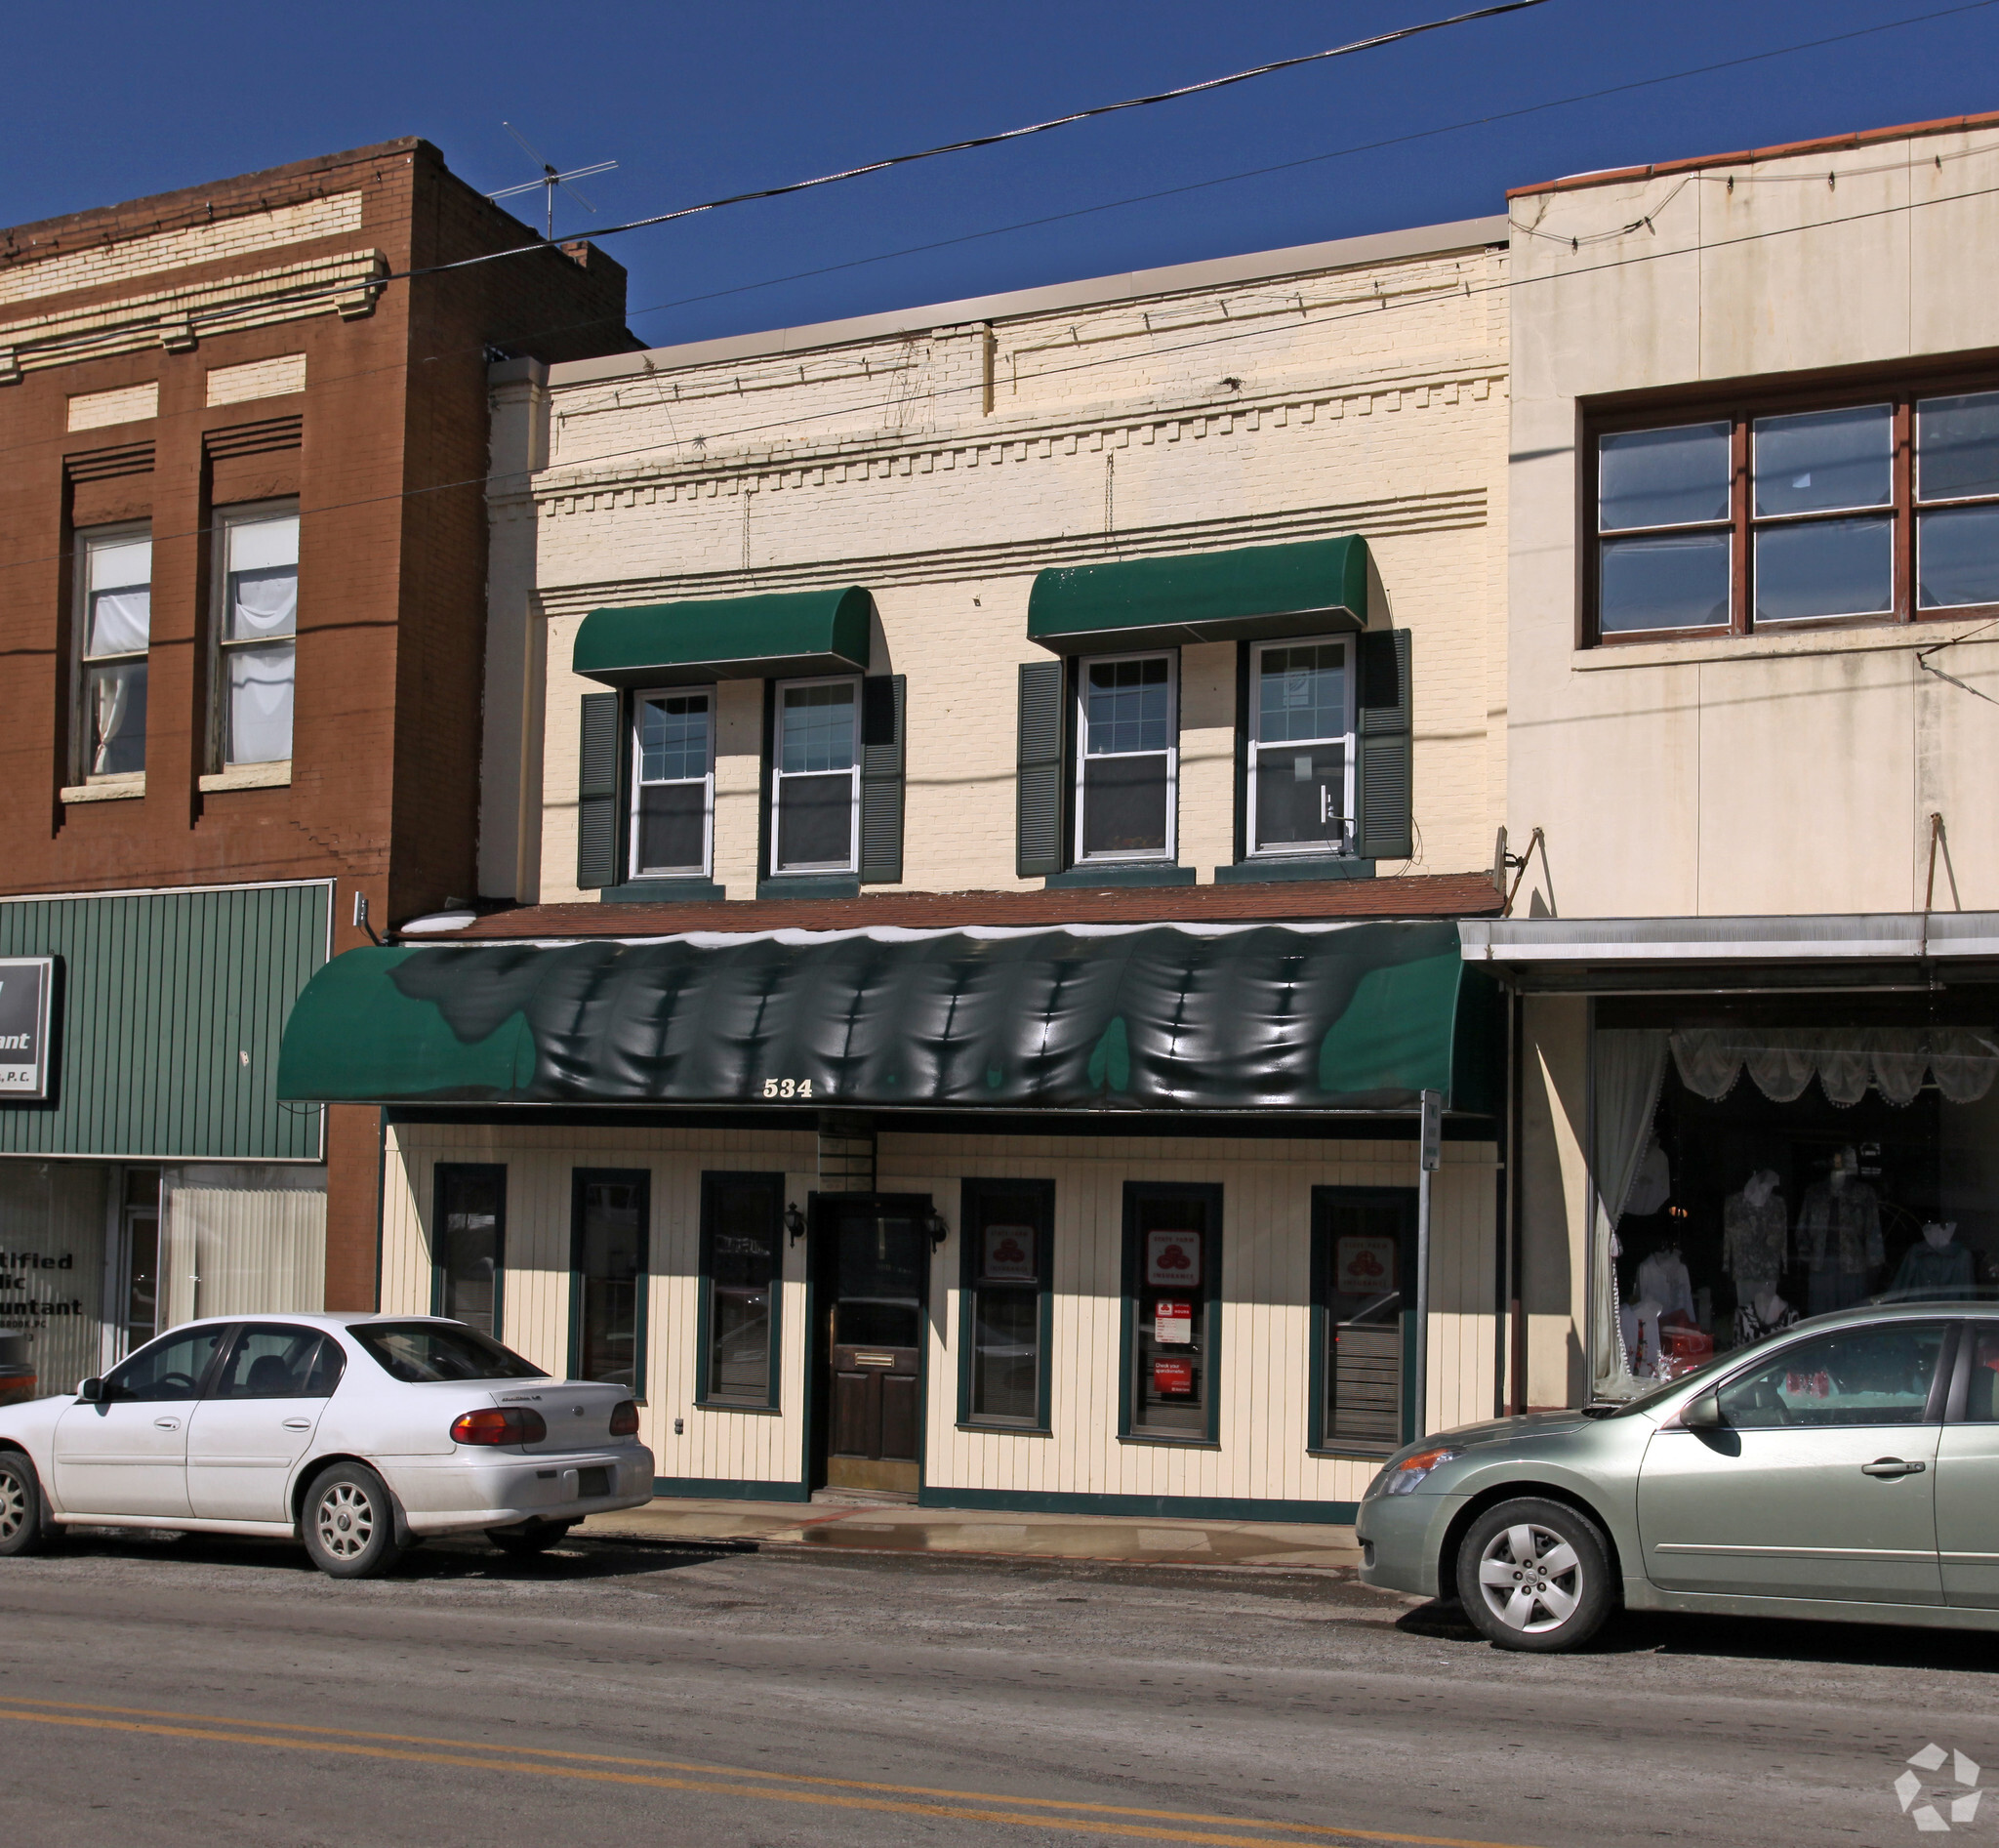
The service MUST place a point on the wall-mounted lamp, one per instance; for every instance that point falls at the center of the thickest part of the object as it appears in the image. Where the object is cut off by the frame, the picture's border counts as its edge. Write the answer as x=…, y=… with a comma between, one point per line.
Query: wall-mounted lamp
x=937, y=1229
x=794, y=1222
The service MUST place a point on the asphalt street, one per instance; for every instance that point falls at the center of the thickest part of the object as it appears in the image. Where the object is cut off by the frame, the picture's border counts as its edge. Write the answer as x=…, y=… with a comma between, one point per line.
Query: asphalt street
x=223, y=1693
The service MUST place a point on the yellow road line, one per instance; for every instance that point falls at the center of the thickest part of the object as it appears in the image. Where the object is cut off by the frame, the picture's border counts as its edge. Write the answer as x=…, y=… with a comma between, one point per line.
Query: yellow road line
x=818, y=1791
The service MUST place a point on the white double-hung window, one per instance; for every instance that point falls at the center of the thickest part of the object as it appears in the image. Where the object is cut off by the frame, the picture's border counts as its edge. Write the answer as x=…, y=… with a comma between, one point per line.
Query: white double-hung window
x=1127, y=760
x=816, y=776
x=114, y=595
x=256, y=632
x=1301, y=747
x=673, y=784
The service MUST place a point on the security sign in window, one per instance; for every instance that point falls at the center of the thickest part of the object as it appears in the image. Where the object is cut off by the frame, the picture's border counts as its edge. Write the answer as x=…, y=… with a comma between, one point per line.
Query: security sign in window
x=1172, y=1258
x=25, y=984
x=1172, y=1321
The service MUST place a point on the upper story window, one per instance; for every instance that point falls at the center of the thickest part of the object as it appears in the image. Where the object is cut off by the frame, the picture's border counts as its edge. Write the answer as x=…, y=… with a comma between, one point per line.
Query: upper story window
x=1127, y=764
x=115, y=602
x=672, y=783
x=1884, y=507
x=1301, y=759
x=256, y=630
x=815, y=776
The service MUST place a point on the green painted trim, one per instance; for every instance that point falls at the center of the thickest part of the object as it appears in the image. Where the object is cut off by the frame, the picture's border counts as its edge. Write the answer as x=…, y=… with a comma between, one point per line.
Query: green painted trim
x=1178, y=1507
x=1210, y=1306
x=784, y=635
x=970, y=1188
x=1249, y=593
x=703, y=1302
x=663, y=891
x=578, y=1178
x=1104, y=879
x=729, y=1488
x=808, y=886
x=1326, y=866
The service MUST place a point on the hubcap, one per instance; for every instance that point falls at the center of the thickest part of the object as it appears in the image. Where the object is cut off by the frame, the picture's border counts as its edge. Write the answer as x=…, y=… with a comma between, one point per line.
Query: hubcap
x=345, y=1520
x=12, y=1504
x=1531, y=1579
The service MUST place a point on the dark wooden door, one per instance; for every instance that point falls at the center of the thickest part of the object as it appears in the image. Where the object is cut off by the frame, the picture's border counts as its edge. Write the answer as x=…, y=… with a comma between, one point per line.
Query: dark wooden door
x=877, y=1267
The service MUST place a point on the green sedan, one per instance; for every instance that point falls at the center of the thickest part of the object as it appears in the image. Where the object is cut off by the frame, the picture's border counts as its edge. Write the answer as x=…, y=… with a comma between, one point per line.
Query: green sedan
x=1846, y=1469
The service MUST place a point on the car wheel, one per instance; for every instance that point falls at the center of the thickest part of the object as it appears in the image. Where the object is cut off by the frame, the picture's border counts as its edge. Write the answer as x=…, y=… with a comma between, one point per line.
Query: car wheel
x=532, y=1537
x=20, y=1506
x=1535, y=1575
x=349, y=1523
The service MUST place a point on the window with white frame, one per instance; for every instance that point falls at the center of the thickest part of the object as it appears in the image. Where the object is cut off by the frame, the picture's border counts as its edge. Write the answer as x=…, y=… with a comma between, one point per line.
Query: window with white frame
x=114, y=599
x=256, y=629
x=673, y=784
x=1127, y=759
x=815, y=776
x=1301, y=757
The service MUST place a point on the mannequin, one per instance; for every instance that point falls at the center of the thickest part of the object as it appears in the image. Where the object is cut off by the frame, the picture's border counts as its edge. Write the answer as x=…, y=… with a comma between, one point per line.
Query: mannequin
x=1756, y=1235
x=1761, y=1314
x=1662, y=1279
x=1839, y=1234
x=1939, y=1267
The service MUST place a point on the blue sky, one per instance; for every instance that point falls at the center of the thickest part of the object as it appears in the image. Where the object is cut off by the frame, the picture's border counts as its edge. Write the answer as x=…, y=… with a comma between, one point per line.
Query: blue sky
x=696, y=102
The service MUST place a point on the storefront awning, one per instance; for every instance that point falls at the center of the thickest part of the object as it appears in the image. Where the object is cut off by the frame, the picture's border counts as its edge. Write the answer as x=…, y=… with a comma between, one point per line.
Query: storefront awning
x=1251, y=594
x=728, y=639
x=1155, y=1017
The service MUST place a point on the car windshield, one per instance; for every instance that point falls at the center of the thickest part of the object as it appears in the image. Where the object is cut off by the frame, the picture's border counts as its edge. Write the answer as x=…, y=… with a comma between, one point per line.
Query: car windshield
x=421, y=1351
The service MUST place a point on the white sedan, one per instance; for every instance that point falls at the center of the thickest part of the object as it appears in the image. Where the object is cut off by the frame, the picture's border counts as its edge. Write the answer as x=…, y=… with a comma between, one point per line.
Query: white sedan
x=358, y=1435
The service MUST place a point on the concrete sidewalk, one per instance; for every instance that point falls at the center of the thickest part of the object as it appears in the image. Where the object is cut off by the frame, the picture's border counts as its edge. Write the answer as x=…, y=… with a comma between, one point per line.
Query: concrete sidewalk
x=898, y=1528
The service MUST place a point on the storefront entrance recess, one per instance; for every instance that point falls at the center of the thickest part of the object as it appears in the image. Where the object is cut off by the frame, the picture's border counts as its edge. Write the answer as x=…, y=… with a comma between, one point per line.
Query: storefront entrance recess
x=873, y=1262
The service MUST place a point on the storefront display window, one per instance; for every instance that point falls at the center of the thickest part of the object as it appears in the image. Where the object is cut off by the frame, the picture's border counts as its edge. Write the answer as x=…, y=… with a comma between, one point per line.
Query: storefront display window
x=1751, y=1168
x=470, y=1248
x=1006, y=1306
x=1172, y=1256
x=607, y=1281
x=742, y=1231
x=1361, y=1252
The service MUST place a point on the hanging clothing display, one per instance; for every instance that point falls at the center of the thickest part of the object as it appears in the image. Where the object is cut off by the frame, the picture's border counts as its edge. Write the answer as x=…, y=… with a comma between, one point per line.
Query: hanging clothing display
x=1839, y=1227
x=1762, y=1314
x=1662, y=1279
x=1937, y=1267
x=1756, y=1234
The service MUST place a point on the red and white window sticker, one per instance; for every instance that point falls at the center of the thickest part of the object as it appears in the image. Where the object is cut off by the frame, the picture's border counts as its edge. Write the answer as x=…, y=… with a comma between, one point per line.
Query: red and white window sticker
x=1172, y=1375
x=1172, y=1322
x=1364, y=1267
x=1009, y=1255
x=1172, y=1258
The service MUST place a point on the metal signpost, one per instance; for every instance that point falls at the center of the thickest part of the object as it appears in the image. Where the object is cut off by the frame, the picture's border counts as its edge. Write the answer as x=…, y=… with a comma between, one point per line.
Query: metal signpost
x=1432, y=1158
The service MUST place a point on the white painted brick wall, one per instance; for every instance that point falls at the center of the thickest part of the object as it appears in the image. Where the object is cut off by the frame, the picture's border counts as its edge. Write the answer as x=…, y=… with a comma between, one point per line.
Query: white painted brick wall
x=125, y=404
x=259, y=379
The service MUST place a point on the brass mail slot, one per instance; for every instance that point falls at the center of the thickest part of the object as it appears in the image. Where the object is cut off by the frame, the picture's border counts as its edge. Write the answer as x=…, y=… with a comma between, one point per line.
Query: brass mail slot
x=874, y=1360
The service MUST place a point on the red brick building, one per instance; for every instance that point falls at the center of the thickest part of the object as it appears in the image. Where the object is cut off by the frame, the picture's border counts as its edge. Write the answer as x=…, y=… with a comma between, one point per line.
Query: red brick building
x=243, y=569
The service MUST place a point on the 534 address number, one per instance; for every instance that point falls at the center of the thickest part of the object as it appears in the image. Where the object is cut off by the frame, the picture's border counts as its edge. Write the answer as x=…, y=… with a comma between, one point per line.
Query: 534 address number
x=787, y=1087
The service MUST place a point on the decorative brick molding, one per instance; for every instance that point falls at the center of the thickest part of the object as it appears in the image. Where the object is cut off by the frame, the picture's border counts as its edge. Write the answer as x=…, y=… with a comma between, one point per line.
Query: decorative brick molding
x=100, y=465
x=254, y=439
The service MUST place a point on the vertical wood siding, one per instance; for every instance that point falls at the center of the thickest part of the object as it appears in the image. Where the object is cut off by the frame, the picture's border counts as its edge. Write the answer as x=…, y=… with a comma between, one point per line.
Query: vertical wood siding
x=1265, y=1374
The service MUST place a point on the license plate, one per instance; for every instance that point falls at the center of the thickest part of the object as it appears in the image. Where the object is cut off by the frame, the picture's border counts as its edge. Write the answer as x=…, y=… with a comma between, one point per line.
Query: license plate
x=594, y=1481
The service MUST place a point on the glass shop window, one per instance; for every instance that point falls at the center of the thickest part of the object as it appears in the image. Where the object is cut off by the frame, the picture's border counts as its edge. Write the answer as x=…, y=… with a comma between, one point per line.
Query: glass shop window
x=673, y=785
x=470, y=1243
x=1175, y=1305
x=742, y=1250
x=815, y=777
x=114, y=599
x=1127, y=765
x=608, y=1276
x=1362, y=1239
x=1823, y=519
x=1300, y=747
x=1006, y=1301
x=1957, y=500
x=257, y=634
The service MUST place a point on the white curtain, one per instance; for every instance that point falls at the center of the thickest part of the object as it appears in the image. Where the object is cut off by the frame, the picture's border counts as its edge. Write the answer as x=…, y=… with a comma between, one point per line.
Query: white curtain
x=1630, y=1065
x=1846, y=1061
x=260, y=703
x=120, y=622
x=263, y=604
x=117, y=697
x=227, y=1250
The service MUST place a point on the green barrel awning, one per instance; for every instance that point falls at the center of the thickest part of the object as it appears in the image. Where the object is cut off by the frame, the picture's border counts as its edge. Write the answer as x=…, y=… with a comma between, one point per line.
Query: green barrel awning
x=786, y=634
x=1153, y=1017
x=1249, y=595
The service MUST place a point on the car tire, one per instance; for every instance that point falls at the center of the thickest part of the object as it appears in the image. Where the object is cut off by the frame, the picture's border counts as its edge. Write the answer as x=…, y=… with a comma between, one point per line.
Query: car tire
x=349, y=1523
x=529, y=1539
x=1536, y=1575
x=24, y=1515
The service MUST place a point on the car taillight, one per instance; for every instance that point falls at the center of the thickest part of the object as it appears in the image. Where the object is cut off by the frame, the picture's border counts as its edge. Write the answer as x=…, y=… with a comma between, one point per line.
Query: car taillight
x=625, y=1419
x=498, y=1424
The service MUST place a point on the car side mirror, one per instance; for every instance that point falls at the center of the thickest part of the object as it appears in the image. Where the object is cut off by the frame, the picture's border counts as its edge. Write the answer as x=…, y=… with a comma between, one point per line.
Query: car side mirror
x=1702, y=1412
x=90, y=1390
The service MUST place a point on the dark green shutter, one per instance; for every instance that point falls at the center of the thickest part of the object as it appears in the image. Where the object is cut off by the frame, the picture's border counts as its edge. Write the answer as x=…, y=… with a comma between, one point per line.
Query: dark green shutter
x=596, y=792
x=1384, y=774
x=1038, y=840
x=881, y=777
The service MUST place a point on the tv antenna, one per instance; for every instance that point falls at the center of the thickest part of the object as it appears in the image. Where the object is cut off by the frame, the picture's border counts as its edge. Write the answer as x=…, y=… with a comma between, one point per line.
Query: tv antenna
x=551, y=178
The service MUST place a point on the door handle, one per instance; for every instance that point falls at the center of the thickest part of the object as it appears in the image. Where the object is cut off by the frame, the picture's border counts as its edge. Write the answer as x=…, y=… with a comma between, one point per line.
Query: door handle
x=298, y=1424
x=1892, y=1467
x=168, y=1424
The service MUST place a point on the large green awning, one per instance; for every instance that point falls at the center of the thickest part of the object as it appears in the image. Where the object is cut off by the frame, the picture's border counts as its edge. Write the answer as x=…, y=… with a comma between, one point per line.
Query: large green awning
x=1249, y=595
x=728, y=639
x=1153, y=1017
